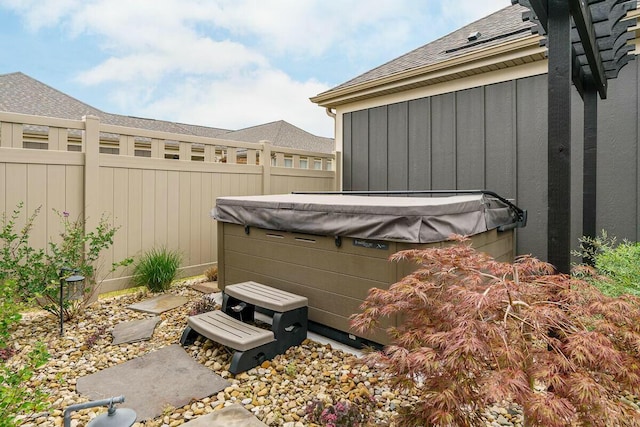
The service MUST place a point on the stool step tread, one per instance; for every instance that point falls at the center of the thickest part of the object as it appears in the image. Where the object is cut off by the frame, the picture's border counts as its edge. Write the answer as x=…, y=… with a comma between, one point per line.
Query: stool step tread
x=266, y=296
x=228, y=331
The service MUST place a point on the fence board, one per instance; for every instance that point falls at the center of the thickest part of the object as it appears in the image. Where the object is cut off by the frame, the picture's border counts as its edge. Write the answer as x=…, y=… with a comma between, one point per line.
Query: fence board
x=37, y=197
x=148, y=209
x=17, y=175
x=3, y=189
x=196, y=217
x=161, y=206
x=184, y=236
x=106, y=185
x=173, y=213
x=134, y=213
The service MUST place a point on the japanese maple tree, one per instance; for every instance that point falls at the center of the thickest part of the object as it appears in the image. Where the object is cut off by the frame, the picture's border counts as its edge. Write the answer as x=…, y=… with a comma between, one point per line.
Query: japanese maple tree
x=476, y=331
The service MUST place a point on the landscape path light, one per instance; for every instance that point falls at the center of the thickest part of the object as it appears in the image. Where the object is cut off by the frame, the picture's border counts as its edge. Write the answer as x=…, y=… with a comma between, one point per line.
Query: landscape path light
x=71, y=288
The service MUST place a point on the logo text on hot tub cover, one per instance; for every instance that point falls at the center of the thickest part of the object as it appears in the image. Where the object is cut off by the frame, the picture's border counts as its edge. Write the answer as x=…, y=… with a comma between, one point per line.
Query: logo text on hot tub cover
x=370, y=244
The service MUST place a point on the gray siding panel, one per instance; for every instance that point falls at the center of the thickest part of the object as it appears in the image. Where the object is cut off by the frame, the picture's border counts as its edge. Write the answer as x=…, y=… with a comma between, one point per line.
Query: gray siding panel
x=419, y=144
x=470, y=143
x=500, y=131
x=617, y=156
x=443, y=148
x=347, y=158
x=360, y=150
x=378, y=147
x=577, y=160
x=531, y=122
x=398, y=173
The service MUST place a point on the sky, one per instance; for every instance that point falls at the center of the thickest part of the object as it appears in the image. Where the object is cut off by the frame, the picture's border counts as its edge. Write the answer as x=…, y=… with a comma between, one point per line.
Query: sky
x=228, y=64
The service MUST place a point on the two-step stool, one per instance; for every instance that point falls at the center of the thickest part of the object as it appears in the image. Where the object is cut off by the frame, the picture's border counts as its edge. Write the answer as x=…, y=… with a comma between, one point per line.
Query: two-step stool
x=252, y=345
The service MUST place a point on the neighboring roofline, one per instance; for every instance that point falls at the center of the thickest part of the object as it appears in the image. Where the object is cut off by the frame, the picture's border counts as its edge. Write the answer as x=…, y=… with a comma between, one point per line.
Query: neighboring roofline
x=513, y=52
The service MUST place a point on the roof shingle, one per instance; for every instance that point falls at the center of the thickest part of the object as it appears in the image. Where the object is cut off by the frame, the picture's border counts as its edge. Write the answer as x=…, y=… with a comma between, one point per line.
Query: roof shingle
x=503, y=25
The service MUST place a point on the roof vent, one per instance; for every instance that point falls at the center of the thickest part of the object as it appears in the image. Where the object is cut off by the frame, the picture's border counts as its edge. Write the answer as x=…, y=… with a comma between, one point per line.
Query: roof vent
x=473, y=36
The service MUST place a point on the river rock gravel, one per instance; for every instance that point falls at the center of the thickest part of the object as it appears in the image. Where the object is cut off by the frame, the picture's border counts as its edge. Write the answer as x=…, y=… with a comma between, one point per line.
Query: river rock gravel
x=277, y=392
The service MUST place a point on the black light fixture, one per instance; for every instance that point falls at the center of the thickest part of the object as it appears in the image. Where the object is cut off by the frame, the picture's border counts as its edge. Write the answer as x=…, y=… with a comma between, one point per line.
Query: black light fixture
x=71, y=288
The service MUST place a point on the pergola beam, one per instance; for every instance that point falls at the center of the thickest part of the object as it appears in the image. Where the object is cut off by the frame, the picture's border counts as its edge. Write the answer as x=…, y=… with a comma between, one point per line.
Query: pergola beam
x=541, y=10
x=584, y=24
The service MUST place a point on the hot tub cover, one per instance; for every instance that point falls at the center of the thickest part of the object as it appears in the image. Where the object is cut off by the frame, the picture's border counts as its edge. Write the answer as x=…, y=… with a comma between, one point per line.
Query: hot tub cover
x=401, y=219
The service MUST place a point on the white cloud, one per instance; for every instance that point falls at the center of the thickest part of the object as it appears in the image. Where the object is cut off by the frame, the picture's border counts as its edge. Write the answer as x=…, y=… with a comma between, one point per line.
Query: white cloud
x=199, y=56
x=42, y=13
x=244, y=100
x=224, y=62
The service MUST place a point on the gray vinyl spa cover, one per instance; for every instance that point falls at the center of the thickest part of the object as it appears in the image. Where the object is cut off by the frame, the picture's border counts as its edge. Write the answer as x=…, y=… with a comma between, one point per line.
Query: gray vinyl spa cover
x=400, y=219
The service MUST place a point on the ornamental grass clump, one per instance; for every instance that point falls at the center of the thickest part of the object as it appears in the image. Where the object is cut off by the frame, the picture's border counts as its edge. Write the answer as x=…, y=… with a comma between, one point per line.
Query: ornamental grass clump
x=476, y=331
x=156, y=269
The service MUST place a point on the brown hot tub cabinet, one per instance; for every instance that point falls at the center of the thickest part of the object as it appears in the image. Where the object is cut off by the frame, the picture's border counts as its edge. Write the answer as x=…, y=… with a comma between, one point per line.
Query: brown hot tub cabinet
x=333, y=248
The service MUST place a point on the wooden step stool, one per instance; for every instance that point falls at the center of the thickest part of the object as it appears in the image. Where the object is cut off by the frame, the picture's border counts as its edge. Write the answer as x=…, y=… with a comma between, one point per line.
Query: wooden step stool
x=252, y=345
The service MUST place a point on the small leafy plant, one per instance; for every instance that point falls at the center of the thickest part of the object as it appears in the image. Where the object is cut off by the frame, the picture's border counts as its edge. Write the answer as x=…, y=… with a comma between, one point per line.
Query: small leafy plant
x=617, y=266
x=291, y=369
x=92, y=339
x=476, y=331
x=204, y=305
x=156, y=269
x=341, y=414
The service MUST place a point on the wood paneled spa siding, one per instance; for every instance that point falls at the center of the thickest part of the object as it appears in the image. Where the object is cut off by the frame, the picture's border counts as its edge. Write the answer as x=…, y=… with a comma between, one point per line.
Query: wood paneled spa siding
x=336, y=280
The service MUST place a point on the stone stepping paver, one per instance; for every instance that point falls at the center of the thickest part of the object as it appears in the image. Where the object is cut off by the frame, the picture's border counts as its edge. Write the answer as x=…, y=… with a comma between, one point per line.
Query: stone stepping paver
x=231, y=416
x=151, y=383
x=159, y=304
x=206, y=287
x=135, y=330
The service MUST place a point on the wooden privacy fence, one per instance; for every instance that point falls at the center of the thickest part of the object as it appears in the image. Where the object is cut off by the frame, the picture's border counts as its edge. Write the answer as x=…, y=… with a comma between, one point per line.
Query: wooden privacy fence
x=157, y=187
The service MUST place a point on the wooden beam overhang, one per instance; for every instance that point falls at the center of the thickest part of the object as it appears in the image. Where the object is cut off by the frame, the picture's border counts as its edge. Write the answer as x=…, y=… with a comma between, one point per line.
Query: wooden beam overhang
x=583, y=22
x=599, y=37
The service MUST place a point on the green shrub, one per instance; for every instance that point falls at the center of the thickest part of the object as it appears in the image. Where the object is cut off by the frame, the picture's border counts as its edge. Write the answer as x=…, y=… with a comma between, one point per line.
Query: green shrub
x=156, y=269
x=36, y=272
x=9, y=312
x=617, y=265
x=15, y=395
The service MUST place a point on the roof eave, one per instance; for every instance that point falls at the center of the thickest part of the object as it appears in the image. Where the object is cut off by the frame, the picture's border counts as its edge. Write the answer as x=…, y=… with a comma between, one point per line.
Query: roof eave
x=525, y=48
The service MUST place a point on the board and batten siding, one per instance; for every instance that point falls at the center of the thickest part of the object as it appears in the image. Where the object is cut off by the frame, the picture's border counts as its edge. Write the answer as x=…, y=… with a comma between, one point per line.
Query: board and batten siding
x=495, y=137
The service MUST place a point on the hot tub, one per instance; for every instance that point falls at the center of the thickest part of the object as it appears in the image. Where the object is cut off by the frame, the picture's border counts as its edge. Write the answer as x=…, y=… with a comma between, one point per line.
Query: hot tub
x=333, y=248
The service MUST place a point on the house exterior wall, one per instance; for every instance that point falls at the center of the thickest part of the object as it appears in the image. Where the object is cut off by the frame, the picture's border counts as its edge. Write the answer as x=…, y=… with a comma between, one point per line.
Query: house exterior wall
x=494, y=136
x=156, y=201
